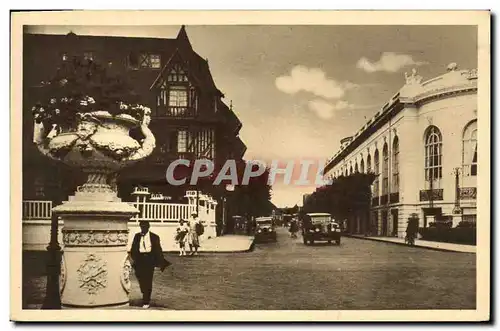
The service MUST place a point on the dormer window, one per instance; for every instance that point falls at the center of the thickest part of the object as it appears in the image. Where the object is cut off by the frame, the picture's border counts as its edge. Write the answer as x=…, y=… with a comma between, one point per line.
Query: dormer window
x=144, y=60
x=155, y=60
x=176, y=96
x=150, y=61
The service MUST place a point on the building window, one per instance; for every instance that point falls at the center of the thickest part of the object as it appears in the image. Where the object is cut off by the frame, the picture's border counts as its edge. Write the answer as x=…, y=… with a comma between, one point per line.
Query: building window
x=433, y=154
x=362, y=166
x=350, y=170
x=376, y=170
x=182, y=142
x=469, y=149
x=143, y=60
x=149, y=61
x=369, y=164
x=395, y=165
x=356, y=169
x=385, y=170
x=206, y=144
x=177, y=96
x=88, y=56
x=155, y=60
x=162, y=98
x=177, y=74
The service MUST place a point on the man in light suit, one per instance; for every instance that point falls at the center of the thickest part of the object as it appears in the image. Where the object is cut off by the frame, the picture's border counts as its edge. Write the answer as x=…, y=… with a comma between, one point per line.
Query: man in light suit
x=146, y=253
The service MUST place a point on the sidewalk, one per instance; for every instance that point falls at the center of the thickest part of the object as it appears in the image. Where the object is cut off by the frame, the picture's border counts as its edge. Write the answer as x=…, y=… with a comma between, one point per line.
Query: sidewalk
x=421, y=243
x=223, y=244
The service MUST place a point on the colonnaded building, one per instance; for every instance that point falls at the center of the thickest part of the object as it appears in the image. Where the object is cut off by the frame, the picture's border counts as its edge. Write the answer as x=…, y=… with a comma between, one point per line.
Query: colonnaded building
x=422, y=146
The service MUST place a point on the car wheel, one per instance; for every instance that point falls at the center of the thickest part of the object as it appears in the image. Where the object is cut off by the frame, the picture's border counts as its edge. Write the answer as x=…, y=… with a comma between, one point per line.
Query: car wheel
x=338, y=242
x=329, y=241
x=312, y=242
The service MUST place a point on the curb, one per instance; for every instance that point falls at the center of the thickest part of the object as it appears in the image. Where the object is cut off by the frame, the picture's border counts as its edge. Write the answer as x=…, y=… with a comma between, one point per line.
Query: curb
x=403, y=244
x=245, y=250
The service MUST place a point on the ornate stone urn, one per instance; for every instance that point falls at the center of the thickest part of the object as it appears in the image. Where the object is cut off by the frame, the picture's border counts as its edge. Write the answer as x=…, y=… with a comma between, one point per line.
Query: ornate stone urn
x=95, y=268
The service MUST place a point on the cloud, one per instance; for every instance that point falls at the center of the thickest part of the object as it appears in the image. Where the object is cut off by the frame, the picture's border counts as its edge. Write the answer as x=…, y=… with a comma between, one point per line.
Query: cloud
x=389, y=62
x=312, y=80
x=325, y=109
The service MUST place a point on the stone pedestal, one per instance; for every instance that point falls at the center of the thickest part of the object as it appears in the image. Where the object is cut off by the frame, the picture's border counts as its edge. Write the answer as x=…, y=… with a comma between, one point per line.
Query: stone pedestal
x=95, y=266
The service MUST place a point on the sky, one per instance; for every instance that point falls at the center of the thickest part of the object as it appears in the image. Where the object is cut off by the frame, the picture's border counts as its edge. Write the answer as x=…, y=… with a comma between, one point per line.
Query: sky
x=298, y=90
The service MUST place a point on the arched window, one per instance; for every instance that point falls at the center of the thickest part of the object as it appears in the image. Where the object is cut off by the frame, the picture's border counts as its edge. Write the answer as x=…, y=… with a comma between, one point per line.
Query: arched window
x=377, y=171
x=469, y=149
x=385, y=170
x=350, y=171
x=369, y=164
x=395, y=165
x=356, y=169
x=433, y=154
x=362, y=166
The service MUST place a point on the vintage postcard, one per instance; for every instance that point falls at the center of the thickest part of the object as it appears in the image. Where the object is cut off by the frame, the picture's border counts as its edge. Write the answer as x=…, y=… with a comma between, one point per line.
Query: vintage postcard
x=250, y=166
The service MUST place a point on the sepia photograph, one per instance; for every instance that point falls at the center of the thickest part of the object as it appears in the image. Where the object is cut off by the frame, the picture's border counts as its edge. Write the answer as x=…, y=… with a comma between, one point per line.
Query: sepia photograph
x=239, y=166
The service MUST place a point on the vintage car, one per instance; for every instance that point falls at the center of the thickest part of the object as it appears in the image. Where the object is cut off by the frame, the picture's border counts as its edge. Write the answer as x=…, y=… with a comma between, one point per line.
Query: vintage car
x=265, y=229
x=320, y=227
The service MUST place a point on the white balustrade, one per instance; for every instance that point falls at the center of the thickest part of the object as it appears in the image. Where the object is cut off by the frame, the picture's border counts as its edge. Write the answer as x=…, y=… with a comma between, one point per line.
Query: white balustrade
x=161, y=212
x=149, y=211
x=37, y=209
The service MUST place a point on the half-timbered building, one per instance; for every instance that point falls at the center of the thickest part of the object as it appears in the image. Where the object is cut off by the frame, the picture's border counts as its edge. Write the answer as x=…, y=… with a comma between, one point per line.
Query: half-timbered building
x=190, y=120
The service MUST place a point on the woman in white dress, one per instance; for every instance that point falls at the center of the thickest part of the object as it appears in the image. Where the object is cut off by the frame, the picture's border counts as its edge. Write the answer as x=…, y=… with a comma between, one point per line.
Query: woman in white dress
x=193, y=239
x=181, y=237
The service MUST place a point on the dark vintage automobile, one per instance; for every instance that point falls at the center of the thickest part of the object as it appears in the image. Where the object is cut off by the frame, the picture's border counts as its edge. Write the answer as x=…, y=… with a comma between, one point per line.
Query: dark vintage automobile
x=265, y=230
x=320, y=227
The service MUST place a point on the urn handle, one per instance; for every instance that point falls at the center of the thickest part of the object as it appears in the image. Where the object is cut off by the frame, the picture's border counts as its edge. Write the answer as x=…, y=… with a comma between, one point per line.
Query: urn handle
x=148, y=144
x=41, y=138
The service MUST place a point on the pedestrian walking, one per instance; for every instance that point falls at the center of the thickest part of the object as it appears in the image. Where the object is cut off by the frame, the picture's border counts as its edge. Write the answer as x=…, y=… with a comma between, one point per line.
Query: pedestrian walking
x=146, y=253
x=181, y=237
x=193, y=233
x=411, y=230
x=293, y=229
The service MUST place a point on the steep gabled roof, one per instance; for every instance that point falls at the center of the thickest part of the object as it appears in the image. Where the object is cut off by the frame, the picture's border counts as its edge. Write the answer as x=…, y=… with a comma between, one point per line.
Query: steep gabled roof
x=197, y=66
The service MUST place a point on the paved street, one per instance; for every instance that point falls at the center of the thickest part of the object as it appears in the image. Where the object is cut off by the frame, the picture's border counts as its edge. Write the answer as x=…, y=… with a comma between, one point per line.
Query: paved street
x=359, y=274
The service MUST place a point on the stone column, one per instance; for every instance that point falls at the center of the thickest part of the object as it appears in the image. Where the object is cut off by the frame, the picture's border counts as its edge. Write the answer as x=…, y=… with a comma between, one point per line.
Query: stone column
x=95, y=267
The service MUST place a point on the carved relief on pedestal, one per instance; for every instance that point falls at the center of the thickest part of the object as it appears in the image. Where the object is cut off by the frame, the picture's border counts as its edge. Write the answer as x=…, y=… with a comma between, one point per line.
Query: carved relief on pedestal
x=125, y=276
x=92, y=274
x=95, y=237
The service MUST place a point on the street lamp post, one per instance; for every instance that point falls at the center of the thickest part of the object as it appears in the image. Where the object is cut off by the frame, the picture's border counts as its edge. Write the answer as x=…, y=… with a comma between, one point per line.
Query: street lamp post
x=52, y=295
x=457, y=211
x=228, y=188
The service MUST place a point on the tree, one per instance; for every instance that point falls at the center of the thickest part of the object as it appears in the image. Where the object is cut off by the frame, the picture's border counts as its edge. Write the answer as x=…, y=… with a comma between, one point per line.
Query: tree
x=254, y=199
x=345, y=197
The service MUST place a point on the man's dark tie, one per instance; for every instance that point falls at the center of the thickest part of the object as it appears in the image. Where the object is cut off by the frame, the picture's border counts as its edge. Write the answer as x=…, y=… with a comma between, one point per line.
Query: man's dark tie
x=144, y=242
